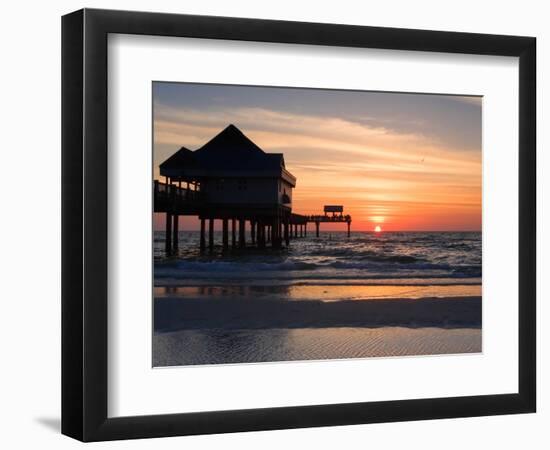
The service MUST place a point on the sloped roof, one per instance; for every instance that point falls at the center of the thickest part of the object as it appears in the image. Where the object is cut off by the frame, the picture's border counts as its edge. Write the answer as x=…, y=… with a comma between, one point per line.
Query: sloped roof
x=229, y=150
x=183, y=157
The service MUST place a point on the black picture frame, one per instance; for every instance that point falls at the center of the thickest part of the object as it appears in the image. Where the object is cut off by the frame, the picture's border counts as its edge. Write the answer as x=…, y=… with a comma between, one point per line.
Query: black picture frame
x=84, y=224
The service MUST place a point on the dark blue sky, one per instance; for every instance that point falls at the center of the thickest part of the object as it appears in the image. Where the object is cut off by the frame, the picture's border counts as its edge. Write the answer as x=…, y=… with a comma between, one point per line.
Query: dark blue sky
x=452, y=120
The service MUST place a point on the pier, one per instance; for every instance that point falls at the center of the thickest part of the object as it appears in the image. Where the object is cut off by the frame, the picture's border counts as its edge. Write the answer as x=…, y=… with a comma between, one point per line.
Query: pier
x=332, y=214
x=263, y=229
x=230, y=179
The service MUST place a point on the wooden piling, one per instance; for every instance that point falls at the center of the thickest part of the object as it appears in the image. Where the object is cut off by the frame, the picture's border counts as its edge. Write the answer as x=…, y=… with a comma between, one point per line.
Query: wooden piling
x=287, y=232
x=317, y=229
x=168, y=236
x=210, y=234
x=176, y=237
x=261, y=234
x=225, y=233
x=275, y=233
x=242, y=239
x=233, y=232
x=203, y=240
x=253, y=232
x=349, y=229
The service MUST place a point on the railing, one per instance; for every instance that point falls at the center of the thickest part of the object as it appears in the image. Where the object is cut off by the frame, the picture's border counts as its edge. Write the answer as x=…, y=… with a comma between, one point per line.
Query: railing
x=175, y=195
x=328, y=218
x=318, y=218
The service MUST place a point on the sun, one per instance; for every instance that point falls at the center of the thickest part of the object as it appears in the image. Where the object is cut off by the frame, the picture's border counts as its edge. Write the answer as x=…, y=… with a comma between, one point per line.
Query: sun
x=377, y=229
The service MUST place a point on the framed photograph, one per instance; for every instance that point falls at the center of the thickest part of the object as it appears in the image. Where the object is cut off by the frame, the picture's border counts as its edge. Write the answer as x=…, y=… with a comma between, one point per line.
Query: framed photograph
x=273, y=224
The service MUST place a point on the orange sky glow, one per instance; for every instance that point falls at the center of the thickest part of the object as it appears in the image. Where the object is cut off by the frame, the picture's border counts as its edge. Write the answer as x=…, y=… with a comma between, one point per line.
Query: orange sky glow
x=401, y=175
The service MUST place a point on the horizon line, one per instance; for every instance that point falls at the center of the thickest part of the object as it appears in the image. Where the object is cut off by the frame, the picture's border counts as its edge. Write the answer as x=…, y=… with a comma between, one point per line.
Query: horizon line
x=372, y=231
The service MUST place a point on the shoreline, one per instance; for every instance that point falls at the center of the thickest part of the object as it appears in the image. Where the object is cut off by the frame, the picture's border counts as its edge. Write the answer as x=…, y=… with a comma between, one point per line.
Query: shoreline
x=324, y=292
x=205, y=280
x=243, y=313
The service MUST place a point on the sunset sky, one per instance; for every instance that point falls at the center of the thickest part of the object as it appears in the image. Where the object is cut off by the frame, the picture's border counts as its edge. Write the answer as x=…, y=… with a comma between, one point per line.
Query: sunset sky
x=399, y=161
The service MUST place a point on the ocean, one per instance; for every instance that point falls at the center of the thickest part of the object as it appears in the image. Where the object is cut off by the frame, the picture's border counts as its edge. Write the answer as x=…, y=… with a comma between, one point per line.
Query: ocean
x=443, y=258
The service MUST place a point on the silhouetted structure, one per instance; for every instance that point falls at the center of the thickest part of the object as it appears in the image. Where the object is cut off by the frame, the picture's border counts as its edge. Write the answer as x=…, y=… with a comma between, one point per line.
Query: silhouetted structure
x=233, y=180
x=337, y=215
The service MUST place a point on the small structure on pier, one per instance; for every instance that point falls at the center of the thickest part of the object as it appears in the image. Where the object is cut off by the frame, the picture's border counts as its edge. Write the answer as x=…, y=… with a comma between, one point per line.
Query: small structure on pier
x=233, y=180
x=334, y=209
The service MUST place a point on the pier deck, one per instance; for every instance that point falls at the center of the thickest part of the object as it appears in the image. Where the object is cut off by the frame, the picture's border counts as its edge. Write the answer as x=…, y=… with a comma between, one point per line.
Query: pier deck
x=317, y=219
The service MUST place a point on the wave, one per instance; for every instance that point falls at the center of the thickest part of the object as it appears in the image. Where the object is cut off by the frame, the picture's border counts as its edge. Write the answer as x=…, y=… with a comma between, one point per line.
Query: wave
x=232, y=266
x=361, y=269
x=406, y=264
x=401, y=259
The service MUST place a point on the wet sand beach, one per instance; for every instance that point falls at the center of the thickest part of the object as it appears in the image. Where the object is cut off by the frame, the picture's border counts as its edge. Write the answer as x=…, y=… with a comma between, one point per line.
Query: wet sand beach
x=173, y=313
x=219, y=326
